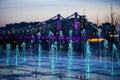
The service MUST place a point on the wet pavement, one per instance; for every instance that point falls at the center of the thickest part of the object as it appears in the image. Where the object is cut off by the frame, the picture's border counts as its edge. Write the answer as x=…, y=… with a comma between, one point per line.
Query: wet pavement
x=31, y=71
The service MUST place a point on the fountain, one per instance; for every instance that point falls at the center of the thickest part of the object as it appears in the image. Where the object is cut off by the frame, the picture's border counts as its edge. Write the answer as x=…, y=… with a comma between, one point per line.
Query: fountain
x=83, y=42
x=39, y=55
x=70, y=34
x=24, y=51
x=88, y=76
x=114, y=51
x=8, y=54
x=87, y=56
x=105, y=45
x=17, y=54
x=70, y=54
x=70, y=50
x=117, y=53
x=61, y=36
x=39, y=49
x=56, y=51
x=32, y=50
x=49, y=42
x=99, y=36
x=50, y=35
x=52, y=57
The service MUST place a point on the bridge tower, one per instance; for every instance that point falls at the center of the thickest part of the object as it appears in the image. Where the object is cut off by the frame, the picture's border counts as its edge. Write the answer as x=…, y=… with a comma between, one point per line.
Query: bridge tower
x=58, y=23
x=76, y=23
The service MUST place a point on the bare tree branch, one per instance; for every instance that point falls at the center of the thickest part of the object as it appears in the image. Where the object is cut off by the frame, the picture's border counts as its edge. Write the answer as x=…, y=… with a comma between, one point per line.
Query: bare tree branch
x=113, y=18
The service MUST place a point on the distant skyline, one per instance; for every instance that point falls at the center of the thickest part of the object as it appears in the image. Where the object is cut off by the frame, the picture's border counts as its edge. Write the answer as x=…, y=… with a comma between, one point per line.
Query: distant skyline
x=15, y=11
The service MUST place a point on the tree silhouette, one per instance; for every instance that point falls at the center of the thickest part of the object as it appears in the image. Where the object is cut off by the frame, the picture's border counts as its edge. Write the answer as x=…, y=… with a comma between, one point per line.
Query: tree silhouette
x=113, y=17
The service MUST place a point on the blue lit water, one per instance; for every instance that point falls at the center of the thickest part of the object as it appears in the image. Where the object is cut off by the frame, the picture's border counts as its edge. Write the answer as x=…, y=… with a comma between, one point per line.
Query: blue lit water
x=30, y=69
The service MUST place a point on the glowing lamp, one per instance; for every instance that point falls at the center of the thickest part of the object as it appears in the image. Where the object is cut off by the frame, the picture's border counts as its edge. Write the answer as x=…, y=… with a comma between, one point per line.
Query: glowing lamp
x=94, y=40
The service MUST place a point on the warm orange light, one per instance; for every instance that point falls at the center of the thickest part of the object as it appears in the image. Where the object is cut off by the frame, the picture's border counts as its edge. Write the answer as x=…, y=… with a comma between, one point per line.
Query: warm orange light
x=96, y=40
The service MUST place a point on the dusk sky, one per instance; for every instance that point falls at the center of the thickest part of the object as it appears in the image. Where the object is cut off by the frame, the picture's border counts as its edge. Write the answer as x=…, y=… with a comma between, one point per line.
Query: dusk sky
x=15, y=11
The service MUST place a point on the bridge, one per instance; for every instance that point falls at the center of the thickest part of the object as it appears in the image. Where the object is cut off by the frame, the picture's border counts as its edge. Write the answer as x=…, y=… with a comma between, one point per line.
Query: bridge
x=73, y=22
x=53, y=26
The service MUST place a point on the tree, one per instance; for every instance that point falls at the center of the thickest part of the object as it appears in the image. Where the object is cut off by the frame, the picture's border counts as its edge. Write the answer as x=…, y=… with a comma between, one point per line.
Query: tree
x=113, y=17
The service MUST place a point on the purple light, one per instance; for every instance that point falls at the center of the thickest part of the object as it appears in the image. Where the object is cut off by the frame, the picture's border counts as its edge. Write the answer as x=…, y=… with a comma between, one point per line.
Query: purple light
x=58, y=22
x=75, y=22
